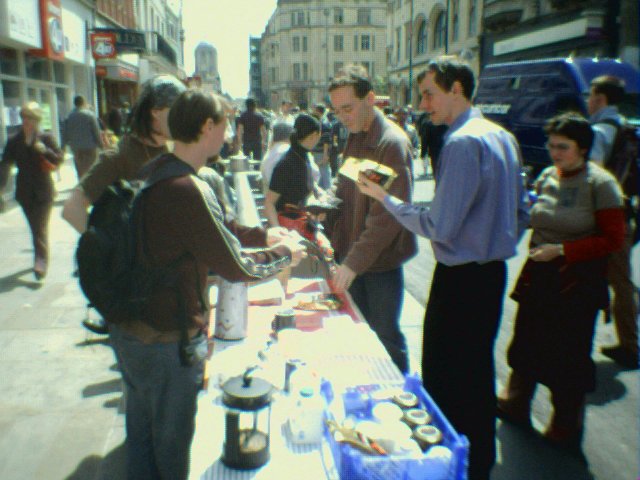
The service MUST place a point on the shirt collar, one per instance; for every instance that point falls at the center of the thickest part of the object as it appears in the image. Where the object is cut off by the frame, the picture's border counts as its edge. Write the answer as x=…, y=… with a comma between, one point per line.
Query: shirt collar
x=607, y=112
x=371, y=137
x=469, y=113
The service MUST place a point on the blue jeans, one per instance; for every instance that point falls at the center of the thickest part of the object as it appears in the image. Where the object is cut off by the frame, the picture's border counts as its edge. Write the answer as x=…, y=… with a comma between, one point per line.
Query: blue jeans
x=161, y=406
x=379, y=297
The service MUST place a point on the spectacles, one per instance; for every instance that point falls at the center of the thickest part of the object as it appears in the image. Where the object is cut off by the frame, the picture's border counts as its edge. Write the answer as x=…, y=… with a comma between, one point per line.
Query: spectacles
x=563, y=147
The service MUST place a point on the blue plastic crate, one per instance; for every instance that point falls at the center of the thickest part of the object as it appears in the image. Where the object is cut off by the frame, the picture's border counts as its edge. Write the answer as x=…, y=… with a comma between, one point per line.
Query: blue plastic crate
x=354, y=465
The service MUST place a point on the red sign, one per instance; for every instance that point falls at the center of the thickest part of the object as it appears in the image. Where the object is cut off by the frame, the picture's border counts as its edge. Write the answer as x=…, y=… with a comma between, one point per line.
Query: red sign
x=103, y=45
x=51, y=29
x=101, y=71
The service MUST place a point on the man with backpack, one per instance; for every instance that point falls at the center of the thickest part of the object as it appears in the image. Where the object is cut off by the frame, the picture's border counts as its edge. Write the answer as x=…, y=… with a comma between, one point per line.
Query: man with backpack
x=180, y=227
x=147, y=136
x=615, y=147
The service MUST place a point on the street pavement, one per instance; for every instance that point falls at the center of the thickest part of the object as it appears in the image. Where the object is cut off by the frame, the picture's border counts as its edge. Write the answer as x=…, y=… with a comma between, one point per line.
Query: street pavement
x=61, y=398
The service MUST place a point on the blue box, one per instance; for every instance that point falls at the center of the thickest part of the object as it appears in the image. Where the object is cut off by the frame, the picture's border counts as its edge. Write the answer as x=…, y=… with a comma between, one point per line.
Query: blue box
x=355, y=465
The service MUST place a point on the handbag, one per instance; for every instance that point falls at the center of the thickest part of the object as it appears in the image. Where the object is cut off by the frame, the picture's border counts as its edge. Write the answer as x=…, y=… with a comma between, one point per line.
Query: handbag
x=46, y=165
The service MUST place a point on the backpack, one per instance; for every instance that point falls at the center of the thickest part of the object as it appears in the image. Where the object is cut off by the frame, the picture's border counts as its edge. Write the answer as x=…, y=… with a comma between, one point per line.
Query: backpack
x=623, y=161
x=110, y=272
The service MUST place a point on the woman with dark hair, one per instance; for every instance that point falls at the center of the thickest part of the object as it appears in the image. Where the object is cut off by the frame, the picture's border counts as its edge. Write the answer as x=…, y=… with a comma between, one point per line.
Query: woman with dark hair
x=577, y=222
x=36, y=155
x=145, y=139
x=292, y=180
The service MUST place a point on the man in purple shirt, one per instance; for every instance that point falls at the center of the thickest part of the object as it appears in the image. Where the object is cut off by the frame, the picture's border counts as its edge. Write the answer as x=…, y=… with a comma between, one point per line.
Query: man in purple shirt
x=477, y=216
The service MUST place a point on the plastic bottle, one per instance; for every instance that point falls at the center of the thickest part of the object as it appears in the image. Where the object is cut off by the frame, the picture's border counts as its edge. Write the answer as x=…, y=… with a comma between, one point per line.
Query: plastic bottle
x=307, y=417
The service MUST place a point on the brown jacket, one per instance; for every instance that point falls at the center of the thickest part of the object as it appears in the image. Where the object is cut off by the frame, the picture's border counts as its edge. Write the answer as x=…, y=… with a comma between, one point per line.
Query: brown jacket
x=182, y=218
x=33, y=181
x=365, y=235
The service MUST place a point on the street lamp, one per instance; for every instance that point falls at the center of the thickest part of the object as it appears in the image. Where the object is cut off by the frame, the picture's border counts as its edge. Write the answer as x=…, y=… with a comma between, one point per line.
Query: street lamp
x=411, y=55
x=326, y=44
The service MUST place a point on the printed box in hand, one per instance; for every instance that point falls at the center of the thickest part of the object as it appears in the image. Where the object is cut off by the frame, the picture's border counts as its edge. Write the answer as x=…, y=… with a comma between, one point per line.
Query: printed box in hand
x=374, y=171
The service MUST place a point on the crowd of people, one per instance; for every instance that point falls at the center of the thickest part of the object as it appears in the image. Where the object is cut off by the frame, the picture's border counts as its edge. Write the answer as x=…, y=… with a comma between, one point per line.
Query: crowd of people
x=581, y=223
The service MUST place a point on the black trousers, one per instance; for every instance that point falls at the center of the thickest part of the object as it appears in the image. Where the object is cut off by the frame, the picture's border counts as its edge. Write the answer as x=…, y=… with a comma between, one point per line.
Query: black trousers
x=460, y=326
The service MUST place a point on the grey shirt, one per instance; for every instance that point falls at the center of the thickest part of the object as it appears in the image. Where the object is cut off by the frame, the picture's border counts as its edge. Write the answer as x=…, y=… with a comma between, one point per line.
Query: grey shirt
x=81, y=130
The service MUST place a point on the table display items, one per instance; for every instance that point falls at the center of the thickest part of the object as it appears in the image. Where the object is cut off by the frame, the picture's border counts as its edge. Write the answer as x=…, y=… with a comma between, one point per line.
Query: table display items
x=247, y=404
x=232, y=311
x=306, y=420
x=377, y=433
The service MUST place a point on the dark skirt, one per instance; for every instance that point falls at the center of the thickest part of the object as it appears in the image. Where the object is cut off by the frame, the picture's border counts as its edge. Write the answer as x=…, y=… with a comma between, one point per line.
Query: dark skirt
x=555, y=323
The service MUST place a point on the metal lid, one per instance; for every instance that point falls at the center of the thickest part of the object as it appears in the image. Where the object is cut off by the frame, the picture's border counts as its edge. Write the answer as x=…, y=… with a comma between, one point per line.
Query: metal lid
x=246, y=392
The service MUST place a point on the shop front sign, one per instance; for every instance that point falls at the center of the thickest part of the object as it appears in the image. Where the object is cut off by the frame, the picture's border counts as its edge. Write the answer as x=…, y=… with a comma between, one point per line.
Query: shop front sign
x=19, y=22
x=51, y=31
x=125, y=40
x=103, y=45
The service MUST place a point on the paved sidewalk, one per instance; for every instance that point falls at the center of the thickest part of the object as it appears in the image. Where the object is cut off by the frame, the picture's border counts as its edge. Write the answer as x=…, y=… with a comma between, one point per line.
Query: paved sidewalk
x=60, y=395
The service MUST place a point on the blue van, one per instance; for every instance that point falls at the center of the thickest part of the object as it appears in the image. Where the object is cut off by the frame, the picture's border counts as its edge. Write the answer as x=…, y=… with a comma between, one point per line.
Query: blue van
x=521, y=96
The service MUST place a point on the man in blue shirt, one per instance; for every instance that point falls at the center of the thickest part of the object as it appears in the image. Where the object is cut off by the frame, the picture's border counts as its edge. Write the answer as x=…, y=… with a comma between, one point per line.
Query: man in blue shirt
x=477, y=216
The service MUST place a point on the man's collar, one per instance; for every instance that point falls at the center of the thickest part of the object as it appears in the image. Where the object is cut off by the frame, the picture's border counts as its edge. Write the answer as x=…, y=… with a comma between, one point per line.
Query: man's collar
x=606, y=112
x=372, y=135
x=464, y=117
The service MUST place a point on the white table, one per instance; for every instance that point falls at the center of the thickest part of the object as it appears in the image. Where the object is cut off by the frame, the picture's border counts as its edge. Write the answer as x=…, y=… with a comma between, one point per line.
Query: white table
x=344, y=354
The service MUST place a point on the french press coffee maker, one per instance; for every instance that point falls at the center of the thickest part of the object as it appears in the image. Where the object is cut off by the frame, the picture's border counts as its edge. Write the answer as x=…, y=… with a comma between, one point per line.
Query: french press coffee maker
x=247, y=402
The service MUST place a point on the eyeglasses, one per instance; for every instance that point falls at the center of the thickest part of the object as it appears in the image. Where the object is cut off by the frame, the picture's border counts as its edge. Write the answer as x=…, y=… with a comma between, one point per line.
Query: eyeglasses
x=563, y=147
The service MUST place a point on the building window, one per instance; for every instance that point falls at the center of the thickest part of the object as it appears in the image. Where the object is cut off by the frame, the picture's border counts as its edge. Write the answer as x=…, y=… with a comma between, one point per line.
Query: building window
x=337, y=66
x=297, y=18
x=355, y=43
x=421, y=44
x=272, y=74
x=365, y=42
x=296, y=44
x=37, y=68
x=473, y=11
x=364, y=16
x=304, y=44
x=455, y=20
x=305, y=71
x=398, y=43
x=9, y=61
x=338, y=16
x=367, y=67
x=296, y=71
x=338, y=43
x=438, y=31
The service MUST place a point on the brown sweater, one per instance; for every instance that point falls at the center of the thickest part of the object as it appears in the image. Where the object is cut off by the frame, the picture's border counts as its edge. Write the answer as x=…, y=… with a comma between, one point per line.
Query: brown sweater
x=181, y=217
x=365, y=235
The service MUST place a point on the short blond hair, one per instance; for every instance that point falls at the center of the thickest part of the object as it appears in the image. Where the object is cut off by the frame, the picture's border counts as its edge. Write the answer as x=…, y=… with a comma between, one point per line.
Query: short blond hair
x=31, y=110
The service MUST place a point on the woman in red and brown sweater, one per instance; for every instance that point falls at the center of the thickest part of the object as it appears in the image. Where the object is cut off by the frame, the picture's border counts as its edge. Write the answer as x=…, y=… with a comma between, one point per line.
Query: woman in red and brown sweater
x=577, y=221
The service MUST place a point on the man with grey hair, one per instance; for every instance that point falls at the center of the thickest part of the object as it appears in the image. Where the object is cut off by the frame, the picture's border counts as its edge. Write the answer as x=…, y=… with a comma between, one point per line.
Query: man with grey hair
x=280, y=143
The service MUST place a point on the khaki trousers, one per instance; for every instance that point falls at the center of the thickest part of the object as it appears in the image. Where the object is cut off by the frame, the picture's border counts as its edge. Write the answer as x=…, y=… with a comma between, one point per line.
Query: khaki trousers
x=83, y=158
x=624, y=305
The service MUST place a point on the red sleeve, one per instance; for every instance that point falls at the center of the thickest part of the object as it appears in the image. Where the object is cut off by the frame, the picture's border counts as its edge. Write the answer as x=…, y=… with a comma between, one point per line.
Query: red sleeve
x=611, y=224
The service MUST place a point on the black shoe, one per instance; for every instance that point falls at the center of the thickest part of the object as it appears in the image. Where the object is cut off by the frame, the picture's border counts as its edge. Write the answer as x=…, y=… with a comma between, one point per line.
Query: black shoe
x=505, y=412
x=98, y=326
x=622, y=356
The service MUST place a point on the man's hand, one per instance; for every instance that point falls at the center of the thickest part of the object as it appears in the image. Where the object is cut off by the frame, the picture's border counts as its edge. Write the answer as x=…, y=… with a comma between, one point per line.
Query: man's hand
x=276, y=235
x=546, y=252
x=370, y=188
x=343, y=278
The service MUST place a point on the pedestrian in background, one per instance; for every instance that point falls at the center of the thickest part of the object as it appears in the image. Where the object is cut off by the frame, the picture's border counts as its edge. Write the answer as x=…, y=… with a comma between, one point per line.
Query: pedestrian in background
x=146, y=139
x=36, y=154
x=251, y=131
x=370, y=245
x=292, y=179
x=475, y=220
x=280, y=143
x=82, y=134
x=577, y=221
x=605, y=94
x=321, y=150
x=431, y=141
